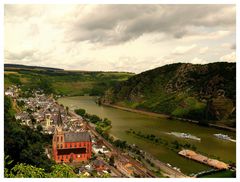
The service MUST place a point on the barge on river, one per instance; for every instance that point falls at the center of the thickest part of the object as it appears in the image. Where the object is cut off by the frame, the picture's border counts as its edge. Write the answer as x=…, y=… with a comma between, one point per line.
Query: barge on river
x=203, y=159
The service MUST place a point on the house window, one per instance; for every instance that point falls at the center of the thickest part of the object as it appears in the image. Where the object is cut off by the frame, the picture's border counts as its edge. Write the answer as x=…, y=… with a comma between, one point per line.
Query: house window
x=65, y=145
x=70, y=145
x=61, y=146
x=57, y=139
x=61, y=138
x=75, y=145
x=57, y=145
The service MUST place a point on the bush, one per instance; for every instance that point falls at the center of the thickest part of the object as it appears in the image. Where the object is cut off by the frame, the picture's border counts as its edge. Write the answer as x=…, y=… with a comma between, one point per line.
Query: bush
x=80, y=112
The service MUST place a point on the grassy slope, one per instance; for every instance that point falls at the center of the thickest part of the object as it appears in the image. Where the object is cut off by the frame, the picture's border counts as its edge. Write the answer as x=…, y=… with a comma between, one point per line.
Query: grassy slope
x=65, y=82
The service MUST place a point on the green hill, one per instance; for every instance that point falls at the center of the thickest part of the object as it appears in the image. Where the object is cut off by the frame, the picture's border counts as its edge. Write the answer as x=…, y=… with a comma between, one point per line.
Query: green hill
x=20, y=66
x=64, y=82
x=201, y=92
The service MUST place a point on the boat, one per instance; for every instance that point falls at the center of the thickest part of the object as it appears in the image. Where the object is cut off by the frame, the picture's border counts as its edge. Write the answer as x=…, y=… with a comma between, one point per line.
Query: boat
x=224, y=137
x=185, y=135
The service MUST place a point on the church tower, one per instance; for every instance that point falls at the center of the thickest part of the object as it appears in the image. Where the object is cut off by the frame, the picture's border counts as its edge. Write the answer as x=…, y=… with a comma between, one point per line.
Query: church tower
x=58, y=137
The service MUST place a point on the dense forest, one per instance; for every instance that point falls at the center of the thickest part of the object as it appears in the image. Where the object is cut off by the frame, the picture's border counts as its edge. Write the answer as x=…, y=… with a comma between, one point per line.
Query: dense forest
x=23, y=144
x=206, y=93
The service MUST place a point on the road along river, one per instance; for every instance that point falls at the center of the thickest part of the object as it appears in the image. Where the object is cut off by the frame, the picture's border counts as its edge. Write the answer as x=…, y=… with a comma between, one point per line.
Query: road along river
x=160, y=127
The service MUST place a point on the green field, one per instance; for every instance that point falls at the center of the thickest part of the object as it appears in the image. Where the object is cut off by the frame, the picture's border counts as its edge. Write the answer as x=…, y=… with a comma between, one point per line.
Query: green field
x=71, y=83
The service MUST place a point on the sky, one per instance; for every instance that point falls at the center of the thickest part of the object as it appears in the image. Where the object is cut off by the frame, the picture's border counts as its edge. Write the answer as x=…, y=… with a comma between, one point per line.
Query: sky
x=132, y=38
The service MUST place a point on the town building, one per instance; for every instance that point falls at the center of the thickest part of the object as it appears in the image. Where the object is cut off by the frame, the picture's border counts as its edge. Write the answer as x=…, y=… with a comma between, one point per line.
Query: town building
x=70, y=146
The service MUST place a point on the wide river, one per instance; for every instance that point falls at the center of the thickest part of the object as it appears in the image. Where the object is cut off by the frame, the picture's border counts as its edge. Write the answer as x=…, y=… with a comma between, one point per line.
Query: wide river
x=124, y=120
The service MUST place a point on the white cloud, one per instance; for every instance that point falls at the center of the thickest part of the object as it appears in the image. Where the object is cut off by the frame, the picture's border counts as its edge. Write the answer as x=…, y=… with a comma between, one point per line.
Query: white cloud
x=183, y=49
x=228, y=46
x=203, y=50
x=229, y=57
x=197, y=60
x=116, y=37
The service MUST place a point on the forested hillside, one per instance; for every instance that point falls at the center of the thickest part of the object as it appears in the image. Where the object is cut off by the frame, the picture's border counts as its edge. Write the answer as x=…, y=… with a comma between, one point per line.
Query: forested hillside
x=201, y=92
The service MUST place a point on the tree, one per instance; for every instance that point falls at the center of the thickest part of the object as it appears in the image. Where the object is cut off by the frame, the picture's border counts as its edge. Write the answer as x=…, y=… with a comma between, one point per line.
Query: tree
x=45, y=85
x=26, y=171
x=94, y=118
x=176, y=144
x=80, y=111
x=67, y=108
x=33, y=120
x=111, y=161
x=39, y=128
x=62, y=171
x=107, y=122
x=22, y=143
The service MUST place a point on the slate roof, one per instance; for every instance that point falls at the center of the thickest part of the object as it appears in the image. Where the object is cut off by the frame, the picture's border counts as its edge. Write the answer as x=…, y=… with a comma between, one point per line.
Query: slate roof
x=77, y=137
x=69, y=151
x=98, y=163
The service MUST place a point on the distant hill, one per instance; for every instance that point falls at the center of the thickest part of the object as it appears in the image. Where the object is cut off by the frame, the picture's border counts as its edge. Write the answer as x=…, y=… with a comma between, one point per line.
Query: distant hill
x=28, y=67
x=201, y=92
x=59, y=81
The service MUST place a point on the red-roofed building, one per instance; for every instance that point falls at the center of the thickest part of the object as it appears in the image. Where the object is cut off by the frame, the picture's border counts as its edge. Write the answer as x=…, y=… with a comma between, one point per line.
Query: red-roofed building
x=70, y=146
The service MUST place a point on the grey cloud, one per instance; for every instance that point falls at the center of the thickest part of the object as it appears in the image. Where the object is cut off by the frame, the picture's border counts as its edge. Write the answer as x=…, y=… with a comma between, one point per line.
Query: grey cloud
x=20, y=55
x=23, y=11
x=27, y=56
x=113, y=24
x=233, y=46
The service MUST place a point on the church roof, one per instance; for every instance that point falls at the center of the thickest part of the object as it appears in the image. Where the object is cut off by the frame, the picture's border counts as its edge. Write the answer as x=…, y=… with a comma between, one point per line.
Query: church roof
x=77, y=137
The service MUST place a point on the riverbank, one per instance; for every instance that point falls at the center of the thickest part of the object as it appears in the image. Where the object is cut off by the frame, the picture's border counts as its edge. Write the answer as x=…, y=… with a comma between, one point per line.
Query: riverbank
x=167, y=116
x=137, y=111
x=123, y=120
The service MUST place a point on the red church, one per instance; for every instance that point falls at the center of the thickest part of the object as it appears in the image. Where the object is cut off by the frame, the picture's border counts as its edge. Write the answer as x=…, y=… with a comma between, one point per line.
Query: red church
x=70, y=146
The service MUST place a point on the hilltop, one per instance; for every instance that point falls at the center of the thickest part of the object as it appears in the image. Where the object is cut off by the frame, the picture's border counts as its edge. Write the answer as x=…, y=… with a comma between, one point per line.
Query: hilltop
x=206, y=93
x=59, y=81
x=20, y=66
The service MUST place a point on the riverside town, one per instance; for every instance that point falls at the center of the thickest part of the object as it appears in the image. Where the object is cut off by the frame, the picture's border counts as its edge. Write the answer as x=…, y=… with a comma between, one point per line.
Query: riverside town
x=120, y=91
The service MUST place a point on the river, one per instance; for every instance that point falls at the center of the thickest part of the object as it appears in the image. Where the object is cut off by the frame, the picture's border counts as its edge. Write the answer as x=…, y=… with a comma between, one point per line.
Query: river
x=124, y=120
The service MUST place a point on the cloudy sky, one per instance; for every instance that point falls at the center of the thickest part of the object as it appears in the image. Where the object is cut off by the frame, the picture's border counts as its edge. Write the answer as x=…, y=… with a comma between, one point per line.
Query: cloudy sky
x=131, y=38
